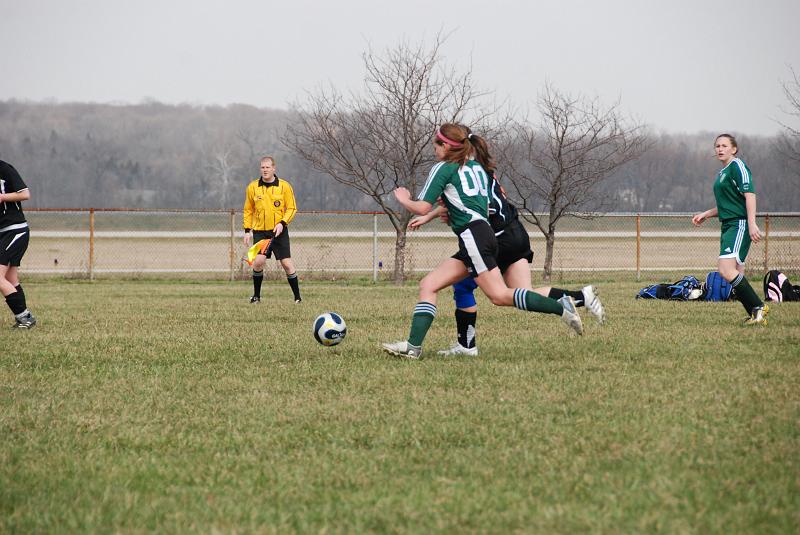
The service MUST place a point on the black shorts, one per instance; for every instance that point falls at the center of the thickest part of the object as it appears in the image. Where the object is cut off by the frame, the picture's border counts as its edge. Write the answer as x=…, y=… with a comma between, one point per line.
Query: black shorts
x=513, y=244
x=477, y=247
x=13, y=244
x=279, y=246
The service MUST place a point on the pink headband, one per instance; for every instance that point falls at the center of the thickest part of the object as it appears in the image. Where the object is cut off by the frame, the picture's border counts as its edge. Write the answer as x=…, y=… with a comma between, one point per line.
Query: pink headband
x=449, y=141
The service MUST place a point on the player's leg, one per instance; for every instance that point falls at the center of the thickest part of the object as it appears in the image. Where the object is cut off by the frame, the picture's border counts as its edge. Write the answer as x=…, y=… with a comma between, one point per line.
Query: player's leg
x=258, y=277
x=515, y=258
x=734, y=246
x=518, y=275
x=282, y=250
x=447, y=273
x=258, y=266
x=12, y=249
x=291, y=277
x=492, y=284
x=585, y=297
x=466, y=317
x=15, y=297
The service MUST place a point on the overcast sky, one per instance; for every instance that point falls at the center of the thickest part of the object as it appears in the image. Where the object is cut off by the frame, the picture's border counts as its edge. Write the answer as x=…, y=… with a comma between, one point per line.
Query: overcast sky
x=680, y=66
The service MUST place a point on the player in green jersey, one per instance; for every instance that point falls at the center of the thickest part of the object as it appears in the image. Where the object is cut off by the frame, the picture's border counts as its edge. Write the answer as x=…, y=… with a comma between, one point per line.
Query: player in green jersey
x=735, y=194
x=461, y=183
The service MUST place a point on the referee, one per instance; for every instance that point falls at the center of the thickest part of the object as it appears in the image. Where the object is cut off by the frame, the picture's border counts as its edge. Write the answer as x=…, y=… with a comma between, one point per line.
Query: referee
x=269, y=207
x=14, y=236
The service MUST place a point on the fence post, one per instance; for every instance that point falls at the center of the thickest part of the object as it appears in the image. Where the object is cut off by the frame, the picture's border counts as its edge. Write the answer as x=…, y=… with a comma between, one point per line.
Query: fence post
x=766, y=243
x=91, y=244
x=638, y=246
x=232, y=252
x=374, y=247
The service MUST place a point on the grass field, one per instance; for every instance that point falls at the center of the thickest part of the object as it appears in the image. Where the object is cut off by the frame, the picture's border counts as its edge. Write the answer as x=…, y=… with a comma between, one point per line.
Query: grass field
x=174, y=407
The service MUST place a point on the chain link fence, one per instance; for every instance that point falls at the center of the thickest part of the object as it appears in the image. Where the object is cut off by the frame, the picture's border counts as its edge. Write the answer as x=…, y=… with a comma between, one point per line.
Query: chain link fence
x=88, y=243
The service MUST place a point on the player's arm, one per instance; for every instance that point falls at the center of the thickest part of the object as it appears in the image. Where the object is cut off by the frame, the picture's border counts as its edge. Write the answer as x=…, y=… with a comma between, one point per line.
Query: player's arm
x=420, y=207
x=290, y=205
x=698, y=219
x=16, y=196
x=14, y=182
x=247, y=216
x=752, y=226
x=424, y=219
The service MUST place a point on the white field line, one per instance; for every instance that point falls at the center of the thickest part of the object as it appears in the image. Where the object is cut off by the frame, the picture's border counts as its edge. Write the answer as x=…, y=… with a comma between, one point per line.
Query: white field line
x=182, y=235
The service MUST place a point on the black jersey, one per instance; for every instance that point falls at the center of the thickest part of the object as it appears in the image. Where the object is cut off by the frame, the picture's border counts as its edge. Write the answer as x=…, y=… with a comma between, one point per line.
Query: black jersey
x=501, y=212
x=10, y=182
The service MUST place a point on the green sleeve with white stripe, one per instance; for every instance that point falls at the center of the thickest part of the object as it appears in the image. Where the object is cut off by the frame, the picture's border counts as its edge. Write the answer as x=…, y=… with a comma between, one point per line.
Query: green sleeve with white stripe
x=437, y=181
x=742, y=177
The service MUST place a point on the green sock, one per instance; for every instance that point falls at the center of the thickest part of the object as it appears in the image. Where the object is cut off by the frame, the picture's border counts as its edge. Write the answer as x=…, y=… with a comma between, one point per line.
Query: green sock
x=745, y=294
x=421, y=322
x=533, y=302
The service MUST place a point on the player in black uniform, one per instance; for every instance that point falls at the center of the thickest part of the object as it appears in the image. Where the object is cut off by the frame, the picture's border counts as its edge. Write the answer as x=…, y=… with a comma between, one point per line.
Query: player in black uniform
x=513, y=258
x=14, y=236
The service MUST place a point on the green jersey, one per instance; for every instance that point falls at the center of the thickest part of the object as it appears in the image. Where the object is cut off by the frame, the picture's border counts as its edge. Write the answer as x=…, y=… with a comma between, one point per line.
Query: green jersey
x=464, y=190
x=732, y=182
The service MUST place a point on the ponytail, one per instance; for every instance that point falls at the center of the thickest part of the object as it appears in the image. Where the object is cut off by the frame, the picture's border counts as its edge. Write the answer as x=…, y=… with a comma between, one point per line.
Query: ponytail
x=462, y=145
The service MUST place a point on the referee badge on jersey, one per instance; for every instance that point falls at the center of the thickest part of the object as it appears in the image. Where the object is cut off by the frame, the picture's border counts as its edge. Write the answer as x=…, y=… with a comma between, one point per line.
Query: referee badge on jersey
x=276, y=204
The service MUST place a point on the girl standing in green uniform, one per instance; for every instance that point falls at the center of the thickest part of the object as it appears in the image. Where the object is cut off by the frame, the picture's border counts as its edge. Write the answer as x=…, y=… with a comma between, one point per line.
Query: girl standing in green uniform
x=735, y=195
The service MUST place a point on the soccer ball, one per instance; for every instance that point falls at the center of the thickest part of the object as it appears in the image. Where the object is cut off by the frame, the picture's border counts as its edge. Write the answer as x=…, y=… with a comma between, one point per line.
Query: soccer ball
x=329, y=329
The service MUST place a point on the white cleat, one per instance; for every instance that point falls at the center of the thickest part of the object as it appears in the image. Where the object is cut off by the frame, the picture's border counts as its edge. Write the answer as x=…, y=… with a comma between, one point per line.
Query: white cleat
x=458, y=349
x=570, y=315
x=403, y=350
x=592, y=303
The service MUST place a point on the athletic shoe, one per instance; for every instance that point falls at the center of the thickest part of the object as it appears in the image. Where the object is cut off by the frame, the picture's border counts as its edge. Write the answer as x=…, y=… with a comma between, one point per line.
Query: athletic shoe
x=592, y=302
x=255, y=300
x=27, y=322
x=403, y=349
x=458, y=349
x=570, y=315
x=296, y=301
x=759, y=316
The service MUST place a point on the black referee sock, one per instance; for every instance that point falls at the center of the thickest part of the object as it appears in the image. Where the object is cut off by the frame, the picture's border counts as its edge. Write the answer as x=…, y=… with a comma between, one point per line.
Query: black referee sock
x=295, y=285
x=465, y=325
x=258, y=278
x=745, y=294
x=16, y=302
x=558, y=293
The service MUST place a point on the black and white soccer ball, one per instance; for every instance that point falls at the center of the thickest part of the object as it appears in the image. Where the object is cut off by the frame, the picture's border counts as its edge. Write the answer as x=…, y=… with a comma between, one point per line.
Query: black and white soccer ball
x=329, y=329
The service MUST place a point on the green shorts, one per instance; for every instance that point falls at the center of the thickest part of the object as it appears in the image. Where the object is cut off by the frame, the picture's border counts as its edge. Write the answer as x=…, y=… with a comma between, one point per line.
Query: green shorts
x=734, y=242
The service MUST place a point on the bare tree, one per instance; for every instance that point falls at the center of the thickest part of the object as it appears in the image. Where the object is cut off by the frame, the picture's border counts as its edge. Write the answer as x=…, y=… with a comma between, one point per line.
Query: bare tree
x=789, y=140
x=379, y=139
x=220, y=167
x=557, y=166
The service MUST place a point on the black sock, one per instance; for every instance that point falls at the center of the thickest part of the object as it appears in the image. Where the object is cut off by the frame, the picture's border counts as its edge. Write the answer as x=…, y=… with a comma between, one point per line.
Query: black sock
x=745, y=294
x=258, y=278
x=558, y=293
x=16, y=302
x=295, y=285
x=465, y=325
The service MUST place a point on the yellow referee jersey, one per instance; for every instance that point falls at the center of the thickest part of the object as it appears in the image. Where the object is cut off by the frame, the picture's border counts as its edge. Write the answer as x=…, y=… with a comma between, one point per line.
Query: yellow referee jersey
x=268, y=203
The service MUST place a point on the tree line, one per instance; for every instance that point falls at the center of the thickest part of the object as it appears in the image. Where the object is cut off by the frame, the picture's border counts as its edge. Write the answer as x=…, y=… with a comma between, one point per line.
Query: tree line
x=163, y=156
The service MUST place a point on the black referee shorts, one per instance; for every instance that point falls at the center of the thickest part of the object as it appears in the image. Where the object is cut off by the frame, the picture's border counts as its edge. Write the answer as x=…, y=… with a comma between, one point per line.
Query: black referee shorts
x=279, y=246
